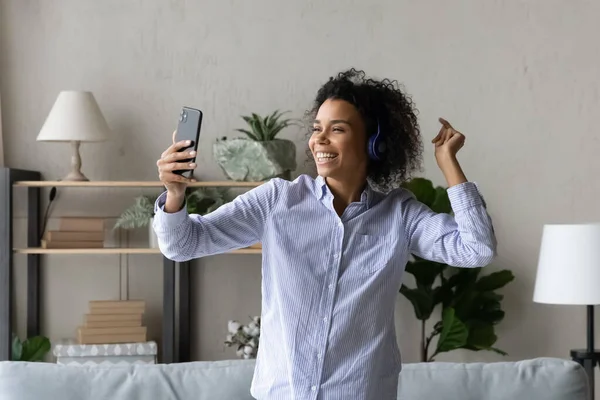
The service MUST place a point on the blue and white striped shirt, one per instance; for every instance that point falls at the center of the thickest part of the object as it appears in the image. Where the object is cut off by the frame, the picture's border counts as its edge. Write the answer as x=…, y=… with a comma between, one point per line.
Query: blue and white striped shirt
x=329, y=284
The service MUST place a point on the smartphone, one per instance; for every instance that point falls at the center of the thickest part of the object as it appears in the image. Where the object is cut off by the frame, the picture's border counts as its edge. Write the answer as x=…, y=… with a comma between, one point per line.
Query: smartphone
x=188, y=128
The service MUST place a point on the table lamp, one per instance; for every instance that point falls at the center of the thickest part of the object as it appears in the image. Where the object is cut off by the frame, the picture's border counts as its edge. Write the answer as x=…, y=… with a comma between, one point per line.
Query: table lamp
x=569, y=273
x=75, y=118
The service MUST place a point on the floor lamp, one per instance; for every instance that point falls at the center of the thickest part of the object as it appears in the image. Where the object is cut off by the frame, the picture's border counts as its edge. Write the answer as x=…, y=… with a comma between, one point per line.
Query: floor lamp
x=1, y=141
x=569, y=273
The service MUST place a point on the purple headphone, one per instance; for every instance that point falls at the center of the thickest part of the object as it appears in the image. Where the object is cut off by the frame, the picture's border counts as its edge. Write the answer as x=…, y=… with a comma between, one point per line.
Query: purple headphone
x=376, y=146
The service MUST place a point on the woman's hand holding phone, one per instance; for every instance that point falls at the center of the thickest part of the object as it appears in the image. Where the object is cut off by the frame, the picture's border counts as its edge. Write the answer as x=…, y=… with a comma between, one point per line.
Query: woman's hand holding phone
x=170, y=161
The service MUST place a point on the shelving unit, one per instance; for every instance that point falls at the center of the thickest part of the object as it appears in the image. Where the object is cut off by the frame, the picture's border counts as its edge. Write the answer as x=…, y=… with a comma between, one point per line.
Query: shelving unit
x=109, y=250
x=33, y=182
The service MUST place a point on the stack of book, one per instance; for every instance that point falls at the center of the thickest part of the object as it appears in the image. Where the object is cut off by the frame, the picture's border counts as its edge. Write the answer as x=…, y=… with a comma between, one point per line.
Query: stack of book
x=113, y=321
x=76, y=233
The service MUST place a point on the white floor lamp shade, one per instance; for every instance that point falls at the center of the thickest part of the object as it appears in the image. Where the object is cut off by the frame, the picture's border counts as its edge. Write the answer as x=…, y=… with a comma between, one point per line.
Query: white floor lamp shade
x=75, y=117
x=569, y=265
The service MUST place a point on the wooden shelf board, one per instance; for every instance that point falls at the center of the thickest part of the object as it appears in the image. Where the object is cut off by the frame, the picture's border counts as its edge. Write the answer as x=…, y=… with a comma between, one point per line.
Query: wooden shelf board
x=131, y=184
x=112, y=250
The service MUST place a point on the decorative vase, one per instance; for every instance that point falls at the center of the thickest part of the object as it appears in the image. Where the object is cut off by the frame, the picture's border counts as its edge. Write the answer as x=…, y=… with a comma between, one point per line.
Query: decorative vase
x=248, y=160
x=153, y=239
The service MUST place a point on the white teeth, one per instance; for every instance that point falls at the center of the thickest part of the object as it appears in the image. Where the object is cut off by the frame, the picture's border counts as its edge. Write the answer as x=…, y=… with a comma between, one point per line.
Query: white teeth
x=326, y=155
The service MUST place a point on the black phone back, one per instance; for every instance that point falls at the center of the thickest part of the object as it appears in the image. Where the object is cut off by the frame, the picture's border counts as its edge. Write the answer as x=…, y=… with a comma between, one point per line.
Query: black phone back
x=190, y=122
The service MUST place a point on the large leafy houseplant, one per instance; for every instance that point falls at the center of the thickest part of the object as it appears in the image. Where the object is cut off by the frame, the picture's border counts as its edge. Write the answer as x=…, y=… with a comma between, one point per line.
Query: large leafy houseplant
x=259, y=155
x=31, y=349
x=470, y=306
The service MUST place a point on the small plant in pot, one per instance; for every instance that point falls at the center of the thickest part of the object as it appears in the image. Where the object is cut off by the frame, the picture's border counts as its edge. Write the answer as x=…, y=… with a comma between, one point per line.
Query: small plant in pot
x=31, y=349
x=260, y=155
x=198, y=201
x=245, y=338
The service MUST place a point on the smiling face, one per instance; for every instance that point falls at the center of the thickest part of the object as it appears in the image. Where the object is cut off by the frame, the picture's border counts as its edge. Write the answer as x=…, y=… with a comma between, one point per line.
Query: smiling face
x=338, y=141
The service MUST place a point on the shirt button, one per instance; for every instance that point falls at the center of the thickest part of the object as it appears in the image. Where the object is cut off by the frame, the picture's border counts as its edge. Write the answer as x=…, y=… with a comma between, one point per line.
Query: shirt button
x=325, y=319
x=336, y=256
x=331, y=286
x=313, y=388
x=319, y=356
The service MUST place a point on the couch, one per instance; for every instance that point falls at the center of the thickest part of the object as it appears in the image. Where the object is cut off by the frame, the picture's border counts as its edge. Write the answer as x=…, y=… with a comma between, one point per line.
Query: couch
x=541, y=378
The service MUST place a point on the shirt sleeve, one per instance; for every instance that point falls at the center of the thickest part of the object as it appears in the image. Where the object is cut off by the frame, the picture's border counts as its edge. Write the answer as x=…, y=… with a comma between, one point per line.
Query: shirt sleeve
x=465, y=239
x=234, y=225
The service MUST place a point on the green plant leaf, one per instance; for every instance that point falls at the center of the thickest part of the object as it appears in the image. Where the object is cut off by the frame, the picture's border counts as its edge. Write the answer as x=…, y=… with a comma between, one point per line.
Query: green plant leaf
x=491, y=297
x=422, y=189
x=492, y=317
x=265, y=128
x=35, y=348
x=496, y=350
x=482, y=336
x=495, y=280
x=441, y=204
x=205, y=200
x=138, y=215
x=454, y=333
x=422, y=301
x=425, y=271
x=255, y=125
x=259, y=126
x=444, y=293
x=17, y=348
x=248, y=133
x=465, y=281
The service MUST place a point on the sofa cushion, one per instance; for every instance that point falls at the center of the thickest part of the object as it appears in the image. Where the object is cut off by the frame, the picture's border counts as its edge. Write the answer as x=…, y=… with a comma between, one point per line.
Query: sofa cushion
x=541, y=378
x=196, y=380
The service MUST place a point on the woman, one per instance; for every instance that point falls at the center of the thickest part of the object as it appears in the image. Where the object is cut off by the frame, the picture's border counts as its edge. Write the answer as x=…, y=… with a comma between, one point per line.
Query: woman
x=334, y=247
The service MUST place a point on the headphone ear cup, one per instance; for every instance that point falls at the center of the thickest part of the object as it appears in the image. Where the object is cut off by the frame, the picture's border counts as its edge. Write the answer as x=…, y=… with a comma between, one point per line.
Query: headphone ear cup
x=376, y=147
x=371, y=148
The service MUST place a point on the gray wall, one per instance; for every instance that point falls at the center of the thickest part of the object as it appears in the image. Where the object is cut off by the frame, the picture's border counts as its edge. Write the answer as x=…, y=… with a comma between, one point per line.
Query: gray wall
x=520, y=80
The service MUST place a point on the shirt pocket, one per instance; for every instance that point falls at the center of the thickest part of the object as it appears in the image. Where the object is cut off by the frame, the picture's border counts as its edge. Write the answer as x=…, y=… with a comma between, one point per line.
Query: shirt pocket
x=370, y=253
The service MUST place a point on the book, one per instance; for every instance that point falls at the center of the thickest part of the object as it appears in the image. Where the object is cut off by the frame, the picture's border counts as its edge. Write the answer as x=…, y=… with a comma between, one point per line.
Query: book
x=74, y=236
x=118, y=310
x=110, y=339
x=84, y=244
x=82, y=224
x=95, y=304
x=113, y=324
x=123, y=330
x=113, y=318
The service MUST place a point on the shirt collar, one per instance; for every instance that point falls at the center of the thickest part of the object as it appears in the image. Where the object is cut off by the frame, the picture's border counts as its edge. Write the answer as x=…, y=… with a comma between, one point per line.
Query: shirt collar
x=321, y=191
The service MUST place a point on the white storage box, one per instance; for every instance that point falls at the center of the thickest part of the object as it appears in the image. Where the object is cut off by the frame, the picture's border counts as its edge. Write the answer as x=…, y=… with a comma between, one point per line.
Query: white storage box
x=69, y=352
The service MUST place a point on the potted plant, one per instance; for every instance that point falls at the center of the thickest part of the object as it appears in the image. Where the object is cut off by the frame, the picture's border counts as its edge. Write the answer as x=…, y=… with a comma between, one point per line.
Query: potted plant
x=260, y=155
x=31, y=349
x=244, y=337
x=470, y=307
x=198, y=201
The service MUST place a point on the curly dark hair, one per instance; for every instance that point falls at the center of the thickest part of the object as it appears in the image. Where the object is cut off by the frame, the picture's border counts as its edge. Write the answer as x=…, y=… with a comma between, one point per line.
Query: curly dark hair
x=385, y=102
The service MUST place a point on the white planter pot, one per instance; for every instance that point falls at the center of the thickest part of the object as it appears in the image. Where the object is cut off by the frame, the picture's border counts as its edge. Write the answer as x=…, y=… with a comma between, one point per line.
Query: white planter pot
x=152, y=238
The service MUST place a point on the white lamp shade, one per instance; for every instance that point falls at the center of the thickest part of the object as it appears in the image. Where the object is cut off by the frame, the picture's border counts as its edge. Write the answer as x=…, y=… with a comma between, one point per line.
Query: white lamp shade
x=75, y=116
x=569, y=265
